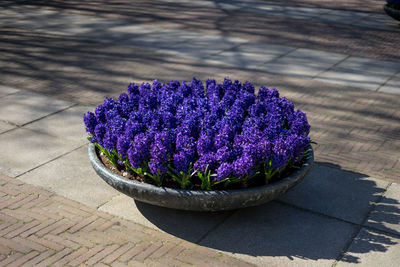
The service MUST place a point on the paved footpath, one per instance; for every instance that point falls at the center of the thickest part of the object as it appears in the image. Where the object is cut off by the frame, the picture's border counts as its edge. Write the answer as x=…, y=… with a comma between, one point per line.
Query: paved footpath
x=339, y=64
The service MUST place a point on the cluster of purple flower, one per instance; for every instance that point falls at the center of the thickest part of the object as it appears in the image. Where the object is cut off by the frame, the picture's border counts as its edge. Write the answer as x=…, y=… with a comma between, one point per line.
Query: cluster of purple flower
x=216, y=133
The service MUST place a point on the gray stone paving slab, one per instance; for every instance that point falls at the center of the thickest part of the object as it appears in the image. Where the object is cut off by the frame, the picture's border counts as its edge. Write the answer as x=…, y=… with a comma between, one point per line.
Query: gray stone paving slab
x=275, y=10
x=249, y=55
x=304, y=55
x=187, y=225
x=5, y=127
x=56, y=22
x=296, y=12
x=23, y=150
x=6, y=90
x=192, y=3
x=142, y=29
x=217, y=41
x=224, y=5
x=203, y=46
x=265, y=49
x=160, y=40
x=392, y=86
x=209, y=4
x=278, y=235
x=239, y=59
x=285, y=66
x=67, y=124
x=191, y=53
x=352, y=78
x=10, y=15
x=386, y=215
x=303, y=62
x=91, y=27
x=341, y=16
x=72, y=176
x=370, y=65
x=341, y=194
x=299, y=12
x=377, y=21
x=23, y=107
x=372, y=248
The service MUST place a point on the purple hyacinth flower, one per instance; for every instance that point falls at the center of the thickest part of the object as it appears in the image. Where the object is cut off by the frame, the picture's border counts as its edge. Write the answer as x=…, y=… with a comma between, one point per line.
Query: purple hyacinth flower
x=299, y=123
x=139, y=151
x=157, y=167
x=224, y=171
x=185, y=89
x=90, y=122
x=123, y=144
x=99, y=133
x=206, y=161
x=109, y=141
x=204, y=144
x=182, y=161
x=224, y=154
x=247, y=86
x=123, y=98
x=243, y=165
x=100, y=113
x=133, y=89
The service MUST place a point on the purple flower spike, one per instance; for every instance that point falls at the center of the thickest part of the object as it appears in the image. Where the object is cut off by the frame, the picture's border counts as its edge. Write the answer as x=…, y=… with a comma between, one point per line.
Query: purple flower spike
x=139, y=151
x=123, y=144
x=133, y=89
x=99, y=133
x=90, y=122
x=247, y=86
x=223, y=171
x=109, y=141
x=100, y=113
x=182, y=161
x=206, y=161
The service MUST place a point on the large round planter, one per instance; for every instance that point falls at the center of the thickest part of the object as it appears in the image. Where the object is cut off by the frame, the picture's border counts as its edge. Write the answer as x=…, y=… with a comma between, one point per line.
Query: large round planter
x=394, y=13
x=194, y=199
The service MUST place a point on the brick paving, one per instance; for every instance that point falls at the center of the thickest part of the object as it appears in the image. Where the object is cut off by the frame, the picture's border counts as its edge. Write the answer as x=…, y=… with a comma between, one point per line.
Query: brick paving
x=39, y=228
x=339, y=38
x=356, y=130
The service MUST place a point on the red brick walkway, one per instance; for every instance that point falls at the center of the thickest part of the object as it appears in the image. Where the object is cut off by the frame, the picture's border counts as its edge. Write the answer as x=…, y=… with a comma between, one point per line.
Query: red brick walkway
x=39, y=228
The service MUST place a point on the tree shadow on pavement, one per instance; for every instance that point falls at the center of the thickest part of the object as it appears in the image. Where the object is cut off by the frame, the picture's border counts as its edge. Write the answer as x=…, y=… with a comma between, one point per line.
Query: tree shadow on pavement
x=315, y=220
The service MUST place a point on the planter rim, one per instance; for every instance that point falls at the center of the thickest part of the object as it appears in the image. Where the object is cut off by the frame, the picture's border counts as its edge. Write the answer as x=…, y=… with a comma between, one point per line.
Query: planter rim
x=392, y=12
x=151, y=194
x=386, y=5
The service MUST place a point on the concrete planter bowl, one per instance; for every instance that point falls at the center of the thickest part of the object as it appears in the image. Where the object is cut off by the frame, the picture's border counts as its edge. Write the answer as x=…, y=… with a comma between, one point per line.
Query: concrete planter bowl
x=394, y=13
x=196, y=200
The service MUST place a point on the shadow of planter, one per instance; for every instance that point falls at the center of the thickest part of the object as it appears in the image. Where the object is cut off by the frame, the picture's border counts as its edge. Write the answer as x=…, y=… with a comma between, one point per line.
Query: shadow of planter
x=312, y=222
